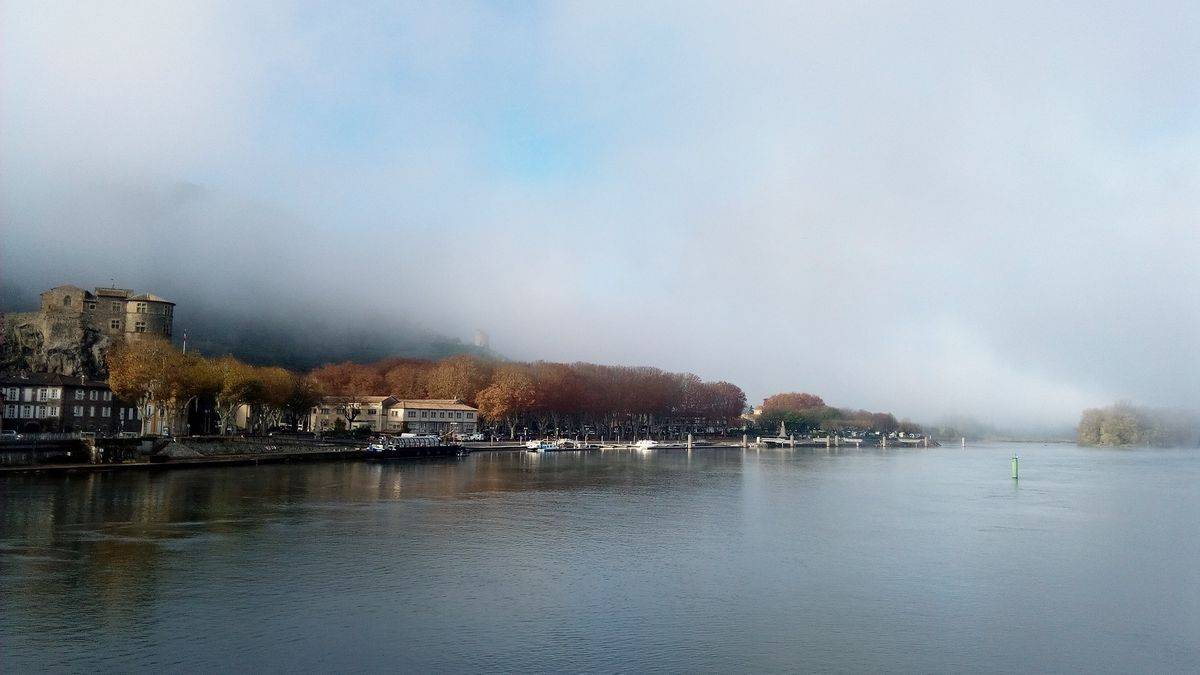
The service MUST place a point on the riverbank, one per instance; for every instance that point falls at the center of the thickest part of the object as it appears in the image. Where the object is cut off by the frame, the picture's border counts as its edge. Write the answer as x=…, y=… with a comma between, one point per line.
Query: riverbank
x=228, y=451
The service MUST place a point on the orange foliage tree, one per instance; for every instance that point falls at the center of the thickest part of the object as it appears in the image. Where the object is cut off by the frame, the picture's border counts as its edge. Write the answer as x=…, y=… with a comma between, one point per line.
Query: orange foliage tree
x=548, y=396
x=793, y=401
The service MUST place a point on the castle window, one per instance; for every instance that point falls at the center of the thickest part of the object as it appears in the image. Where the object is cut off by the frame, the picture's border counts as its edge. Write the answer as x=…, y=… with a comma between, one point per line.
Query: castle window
x=116, y=306
x=67, y=301
x=115, y=324
x=141, y=308
x=139, y=327
x=91, y=305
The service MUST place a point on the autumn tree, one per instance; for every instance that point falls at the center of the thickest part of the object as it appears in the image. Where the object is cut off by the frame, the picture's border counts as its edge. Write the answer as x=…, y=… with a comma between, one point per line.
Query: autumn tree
x=559, y=391
x=407, y=378
x=794, y=401
x=159, y=377
x=302, y=397
x=511, y=394
x=348, y=384
x=135, y=373
x=459, y=377
x=237, y=384
x=268, y=406
x=723, y=401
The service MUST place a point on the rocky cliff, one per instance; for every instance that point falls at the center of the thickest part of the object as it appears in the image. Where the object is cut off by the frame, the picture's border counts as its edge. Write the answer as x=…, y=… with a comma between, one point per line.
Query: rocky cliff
x=35, y=342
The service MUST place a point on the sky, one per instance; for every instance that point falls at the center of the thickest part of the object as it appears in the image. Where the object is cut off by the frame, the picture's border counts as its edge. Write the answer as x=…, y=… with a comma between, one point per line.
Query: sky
x=938, y=209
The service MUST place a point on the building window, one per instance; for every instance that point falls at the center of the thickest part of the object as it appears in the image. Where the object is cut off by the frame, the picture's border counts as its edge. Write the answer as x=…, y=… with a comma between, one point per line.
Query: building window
x=371, y=411
x=67, y=301
x=79, y=394
x=91, y=305
x=55, y=393
x=91, y=411
x=108, y=396
x=27, y=411
x=141, y=308
x=412, y=413
x=43, y=394
x=139, y=327
x=93, y=395
x=10, y=411
x=78, y=410
x=116, y=307
x=41, y=411
x=326, y=411
x=105, y=411
x=54, y=411
x=114, y=324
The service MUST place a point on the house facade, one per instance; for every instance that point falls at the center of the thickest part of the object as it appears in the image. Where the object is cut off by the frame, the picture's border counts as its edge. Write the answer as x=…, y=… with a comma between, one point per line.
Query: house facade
x=59, y=403
x=343, y=412
x=388, y=414
x=432, y=416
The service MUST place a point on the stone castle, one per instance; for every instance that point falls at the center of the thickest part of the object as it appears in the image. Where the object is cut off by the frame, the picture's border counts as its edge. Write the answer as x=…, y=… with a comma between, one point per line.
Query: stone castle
x=74, y=328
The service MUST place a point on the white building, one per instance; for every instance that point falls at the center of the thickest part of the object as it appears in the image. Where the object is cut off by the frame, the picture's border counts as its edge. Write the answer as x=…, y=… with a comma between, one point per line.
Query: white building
x=352, y=413
x=432, y=416
x=392, y=415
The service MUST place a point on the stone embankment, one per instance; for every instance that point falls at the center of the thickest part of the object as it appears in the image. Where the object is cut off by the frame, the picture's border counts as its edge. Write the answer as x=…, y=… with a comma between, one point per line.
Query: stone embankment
x=84, y=454
x=106, y=454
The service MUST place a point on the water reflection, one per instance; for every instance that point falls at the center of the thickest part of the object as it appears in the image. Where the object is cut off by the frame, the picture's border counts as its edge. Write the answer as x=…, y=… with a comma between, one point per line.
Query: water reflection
x=620, y=560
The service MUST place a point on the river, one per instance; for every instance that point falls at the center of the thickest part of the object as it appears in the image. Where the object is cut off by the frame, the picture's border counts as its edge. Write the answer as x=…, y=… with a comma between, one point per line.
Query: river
x=909, y=560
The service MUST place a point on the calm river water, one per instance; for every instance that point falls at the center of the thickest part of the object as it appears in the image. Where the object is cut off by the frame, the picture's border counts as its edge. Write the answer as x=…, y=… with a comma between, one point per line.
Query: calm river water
x=721, y=560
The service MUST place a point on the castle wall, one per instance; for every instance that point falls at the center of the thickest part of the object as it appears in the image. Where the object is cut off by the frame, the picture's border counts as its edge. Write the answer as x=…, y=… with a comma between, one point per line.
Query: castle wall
x=74, y=329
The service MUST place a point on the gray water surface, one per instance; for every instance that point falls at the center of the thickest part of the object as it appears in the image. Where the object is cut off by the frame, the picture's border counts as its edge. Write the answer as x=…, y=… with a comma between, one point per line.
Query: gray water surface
x=718, y=560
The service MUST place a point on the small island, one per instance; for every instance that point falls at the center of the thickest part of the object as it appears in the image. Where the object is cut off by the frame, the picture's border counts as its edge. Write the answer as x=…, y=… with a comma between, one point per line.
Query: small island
x=1127, y=425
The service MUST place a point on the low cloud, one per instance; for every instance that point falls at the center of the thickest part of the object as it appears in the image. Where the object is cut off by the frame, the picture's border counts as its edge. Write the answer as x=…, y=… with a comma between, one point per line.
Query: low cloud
x=940, y=210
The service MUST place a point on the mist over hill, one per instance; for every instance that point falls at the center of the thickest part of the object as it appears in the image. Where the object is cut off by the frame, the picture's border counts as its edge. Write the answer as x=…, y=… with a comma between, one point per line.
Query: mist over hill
x=272, y=332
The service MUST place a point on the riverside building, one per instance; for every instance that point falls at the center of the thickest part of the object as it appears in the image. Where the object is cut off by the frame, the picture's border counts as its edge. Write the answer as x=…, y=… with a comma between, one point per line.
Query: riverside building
x=392, y=415
x=58, y=403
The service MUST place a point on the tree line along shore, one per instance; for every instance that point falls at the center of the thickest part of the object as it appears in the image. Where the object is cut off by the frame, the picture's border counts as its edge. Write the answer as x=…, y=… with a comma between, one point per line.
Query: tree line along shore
x=538, y=397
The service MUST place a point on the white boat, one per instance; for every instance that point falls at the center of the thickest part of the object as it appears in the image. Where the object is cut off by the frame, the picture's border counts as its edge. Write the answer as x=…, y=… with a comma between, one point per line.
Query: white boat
x=649, y=444
x=555, y=446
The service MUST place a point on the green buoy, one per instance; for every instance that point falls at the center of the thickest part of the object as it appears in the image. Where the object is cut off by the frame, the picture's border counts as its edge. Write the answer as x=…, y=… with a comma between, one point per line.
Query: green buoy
x=1014, y=467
